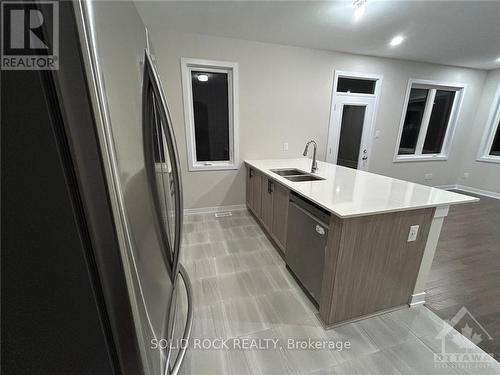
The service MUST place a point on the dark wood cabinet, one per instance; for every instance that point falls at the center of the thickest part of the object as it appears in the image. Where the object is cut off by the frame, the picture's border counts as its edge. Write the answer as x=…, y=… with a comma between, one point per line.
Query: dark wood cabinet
x=249, y=189
x=253, y=185
x=281, y=198
x=267, y=204
x=369, y=264
x=268, y=200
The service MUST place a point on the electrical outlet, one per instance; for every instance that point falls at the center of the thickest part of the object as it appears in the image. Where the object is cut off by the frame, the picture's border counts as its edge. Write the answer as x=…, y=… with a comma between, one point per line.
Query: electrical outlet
x=428, y=176
x=412, y=235
x=285, y=146
x=377, y=134
x=466, y=175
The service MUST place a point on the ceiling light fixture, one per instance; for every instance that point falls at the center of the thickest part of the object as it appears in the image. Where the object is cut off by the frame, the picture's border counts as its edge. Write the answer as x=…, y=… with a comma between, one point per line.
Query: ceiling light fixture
x=359, y=6
x=202, y=78
x=359, y=13
x=397, y=40
x=498, y=59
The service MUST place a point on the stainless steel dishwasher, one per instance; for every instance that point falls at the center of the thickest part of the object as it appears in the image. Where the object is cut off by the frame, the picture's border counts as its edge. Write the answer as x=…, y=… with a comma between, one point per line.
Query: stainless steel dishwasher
x=307, y=234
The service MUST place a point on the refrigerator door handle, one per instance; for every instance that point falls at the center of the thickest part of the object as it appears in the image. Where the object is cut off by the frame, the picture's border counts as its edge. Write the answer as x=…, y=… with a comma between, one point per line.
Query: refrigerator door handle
x=154, y=103
x=174, y=369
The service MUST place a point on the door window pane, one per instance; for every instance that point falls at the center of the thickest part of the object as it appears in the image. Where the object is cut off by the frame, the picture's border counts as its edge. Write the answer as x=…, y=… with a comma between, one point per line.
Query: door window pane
x=351, y=130
x=211, y=115
x=358, y=86
x=495, y=147
x=438, y=123
x=413, y=121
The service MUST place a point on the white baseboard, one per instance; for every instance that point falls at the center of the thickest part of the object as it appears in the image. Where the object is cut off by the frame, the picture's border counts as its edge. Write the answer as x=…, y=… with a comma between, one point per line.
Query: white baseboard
x=469, y=189
x=486, y=193
x=417, y=299
x=207, y=210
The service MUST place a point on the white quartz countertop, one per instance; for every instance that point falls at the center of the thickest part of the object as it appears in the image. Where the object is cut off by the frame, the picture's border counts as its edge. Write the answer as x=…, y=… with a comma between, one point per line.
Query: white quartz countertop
x=347, y=192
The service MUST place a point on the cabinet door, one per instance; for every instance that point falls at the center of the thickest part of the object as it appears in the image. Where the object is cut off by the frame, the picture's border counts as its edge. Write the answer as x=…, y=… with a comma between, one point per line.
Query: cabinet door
x=376, y=266
x=249, y=187
x=281, y=197
x=267, y=203
x=256, y=192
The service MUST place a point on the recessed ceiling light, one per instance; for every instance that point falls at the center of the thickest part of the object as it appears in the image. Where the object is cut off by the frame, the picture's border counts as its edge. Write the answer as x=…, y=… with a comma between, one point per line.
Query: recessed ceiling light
x=397, y=40
x=359, y=6
x=203, y=78
x=359, y=13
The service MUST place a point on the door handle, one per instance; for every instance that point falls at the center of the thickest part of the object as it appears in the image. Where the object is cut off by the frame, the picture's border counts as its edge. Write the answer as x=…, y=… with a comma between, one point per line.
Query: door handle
x=175, y=367
x=269, y=186
x=154, y=103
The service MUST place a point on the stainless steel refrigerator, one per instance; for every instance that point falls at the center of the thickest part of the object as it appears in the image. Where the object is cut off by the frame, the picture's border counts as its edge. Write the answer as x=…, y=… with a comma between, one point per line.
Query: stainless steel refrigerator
x=138, y=144
x=91, y=206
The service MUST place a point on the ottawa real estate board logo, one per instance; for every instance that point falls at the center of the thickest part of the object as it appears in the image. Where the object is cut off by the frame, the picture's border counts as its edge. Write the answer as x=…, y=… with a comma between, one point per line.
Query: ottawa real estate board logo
x=30, y=35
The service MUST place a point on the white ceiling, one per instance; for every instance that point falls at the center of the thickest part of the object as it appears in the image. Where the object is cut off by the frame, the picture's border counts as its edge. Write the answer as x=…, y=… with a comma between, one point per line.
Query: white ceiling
x=461, y=33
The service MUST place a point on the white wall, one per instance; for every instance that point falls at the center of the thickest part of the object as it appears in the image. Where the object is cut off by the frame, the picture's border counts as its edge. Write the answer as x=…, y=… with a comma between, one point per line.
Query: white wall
x=482, y=175
x=285, y=95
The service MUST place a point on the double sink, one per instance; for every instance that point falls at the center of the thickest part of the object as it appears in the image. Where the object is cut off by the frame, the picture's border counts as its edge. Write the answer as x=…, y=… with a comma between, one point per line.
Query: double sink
x=296, y=175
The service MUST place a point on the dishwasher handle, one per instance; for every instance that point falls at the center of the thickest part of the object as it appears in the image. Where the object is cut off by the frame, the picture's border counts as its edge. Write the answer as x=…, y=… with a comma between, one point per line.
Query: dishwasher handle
x=321, y=224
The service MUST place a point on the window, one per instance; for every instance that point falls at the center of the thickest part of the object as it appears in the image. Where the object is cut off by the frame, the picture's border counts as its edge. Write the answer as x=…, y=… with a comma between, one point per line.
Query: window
x=495, y=146
x=428, y=120
x=210, y=109
x=356, y=85
x=413, y=120
x=490, y=146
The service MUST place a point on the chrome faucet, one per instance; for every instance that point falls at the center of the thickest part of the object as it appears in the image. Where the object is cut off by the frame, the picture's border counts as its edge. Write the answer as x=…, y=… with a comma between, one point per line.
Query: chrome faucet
x=314, y=166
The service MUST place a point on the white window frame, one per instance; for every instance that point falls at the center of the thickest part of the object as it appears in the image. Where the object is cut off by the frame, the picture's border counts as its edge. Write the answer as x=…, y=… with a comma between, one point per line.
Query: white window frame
x=361, y=76
x=490, y=131
x=452, y=122
x=368, y=129
x=187, y=65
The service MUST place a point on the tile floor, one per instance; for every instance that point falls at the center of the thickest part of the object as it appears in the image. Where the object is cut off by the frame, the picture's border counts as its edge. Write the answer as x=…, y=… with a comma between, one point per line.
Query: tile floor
x=242, y=291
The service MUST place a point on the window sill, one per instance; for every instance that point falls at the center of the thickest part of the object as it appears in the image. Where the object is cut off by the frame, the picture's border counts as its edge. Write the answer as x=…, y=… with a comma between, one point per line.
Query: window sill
x=213, y=167
x=401, y=158
x=489, y=159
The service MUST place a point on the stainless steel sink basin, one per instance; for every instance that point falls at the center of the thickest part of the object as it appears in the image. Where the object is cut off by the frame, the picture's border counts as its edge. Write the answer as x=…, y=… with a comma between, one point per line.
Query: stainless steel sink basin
x=304, y=177
x=296, y=175
x=289, y=172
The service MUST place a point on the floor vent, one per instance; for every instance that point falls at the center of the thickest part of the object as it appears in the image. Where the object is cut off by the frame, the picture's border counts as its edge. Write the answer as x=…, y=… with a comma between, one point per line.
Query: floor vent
x=223, y=214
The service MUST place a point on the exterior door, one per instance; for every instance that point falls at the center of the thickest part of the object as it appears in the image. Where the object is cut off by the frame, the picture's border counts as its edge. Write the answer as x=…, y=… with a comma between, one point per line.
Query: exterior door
x=350, y=131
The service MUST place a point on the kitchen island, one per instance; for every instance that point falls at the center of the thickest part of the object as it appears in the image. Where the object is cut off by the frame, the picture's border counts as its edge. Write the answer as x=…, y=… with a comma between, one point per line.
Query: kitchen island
x=381, y=233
